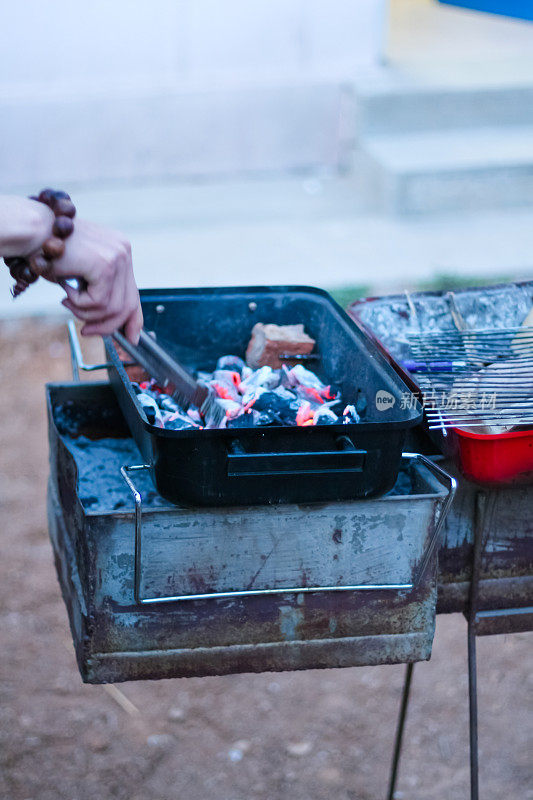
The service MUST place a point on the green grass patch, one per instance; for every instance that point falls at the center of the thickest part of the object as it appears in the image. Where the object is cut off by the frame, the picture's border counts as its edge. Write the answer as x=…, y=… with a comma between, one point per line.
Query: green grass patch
x=448, y=282
x=344, y=295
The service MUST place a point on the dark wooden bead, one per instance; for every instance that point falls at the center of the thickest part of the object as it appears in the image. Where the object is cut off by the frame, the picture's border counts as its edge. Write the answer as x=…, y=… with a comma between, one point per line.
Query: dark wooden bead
x=64, y=208
x=62, y=227
x=53, y=247
x=47, y=196
x=21, y=272
x=15, y=265
x=61, y=196
x=27, y=275
x=39, y=264
x=18, y=288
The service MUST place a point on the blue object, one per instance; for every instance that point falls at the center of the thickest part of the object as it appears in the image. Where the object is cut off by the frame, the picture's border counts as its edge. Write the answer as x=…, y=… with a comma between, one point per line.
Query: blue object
x=433, y=366
x=523, y=9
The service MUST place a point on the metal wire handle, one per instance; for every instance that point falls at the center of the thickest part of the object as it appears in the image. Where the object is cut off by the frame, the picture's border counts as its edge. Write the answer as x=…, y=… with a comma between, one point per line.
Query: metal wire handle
x=444, y=479
x=76, y=356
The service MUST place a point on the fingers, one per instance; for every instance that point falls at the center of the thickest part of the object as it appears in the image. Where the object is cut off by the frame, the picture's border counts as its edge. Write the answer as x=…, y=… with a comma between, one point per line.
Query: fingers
x=133, y=326
x=110, y=300
x=79, y=298
x=129, y=318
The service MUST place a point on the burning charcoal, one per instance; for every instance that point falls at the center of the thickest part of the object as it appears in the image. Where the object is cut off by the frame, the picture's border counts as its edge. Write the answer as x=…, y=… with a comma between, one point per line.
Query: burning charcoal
x=279, y=397
x=288, y=414
x=270, y=401
x=166, y=403
x=350, y=415
x=225, y=390
x=233, y=363
x=284, y=408
x=330, y=392
x=300, y=376
x=232, y=377
x=151, y=409
x=309, y=393
x=265, y=418
x=246, y=420
x=231, y=408
x=270, y=341
x=251, y=396
x=325, y=416
x=195, y=415
x=285, y=393
x=304, y=414
x=336, y=406
x=265, y=377
x=180, y=422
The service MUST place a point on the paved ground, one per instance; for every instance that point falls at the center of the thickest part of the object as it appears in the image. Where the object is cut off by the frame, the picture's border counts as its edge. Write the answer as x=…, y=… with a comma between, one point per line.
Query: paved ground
x=304, y=736
x=312, y=230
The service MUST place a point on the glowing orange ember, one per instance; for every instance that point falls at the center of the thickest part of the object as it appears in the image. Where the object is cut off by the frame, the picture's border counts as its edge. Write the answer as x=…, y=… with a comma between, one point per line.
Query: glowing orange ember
x=328, y=394
x=222, y=391
x=304, y=414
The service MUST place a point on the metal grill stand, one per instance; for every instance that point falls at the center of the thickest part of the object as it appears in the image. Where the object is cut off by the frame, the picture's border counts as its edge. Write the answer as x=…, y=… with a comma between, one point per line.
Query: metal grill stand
x=485, y=622
x=476, y=505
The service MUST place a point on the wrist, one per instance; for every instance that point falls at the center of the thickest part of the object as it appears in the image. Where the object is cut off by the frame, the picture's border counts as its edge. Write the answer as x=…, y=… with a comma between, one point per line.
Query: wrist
x=35, y=253
x=40, y=223
x=29, y=224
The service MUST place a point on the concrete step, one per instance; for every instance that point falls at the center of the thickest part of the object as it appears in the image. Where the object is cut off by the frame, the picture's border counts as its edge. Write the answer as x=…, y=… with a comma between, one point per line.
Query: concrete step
x=390, y=102
x=476, y=168
x=123, y=133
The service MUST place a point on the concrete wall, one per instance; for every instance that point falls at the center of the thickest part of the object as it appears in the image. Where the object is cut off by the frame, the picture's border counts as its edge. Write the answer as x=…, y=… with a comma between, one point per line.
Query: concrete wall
x=130, y=89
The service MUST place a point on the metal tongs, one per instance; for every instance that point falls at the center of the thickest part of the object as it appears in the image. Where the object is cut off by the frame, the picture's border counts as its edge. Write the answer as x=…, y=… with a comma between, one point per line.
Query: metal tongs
x=173, y=377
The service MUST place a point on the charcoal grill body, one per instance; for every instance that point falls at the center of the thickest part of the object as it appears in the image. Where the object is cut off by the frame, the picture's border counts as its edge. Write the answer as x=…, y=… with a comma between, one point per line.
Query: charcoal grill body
x=377, y=541
x=117, y=639
x=270, y=464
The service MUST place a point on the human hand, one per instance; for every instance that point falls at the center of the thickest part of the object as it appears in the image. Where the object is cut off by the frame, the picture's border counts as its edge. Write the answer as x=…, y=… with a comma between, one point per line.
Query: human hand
x=109, y=299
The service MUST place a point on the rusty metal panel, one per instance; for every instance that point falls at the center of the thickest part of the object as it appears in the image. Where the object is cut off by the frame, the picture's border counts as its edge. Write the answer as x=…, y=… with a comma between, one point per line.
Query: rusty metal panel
x=218, y=550
x=126, y=642
x=507, y=562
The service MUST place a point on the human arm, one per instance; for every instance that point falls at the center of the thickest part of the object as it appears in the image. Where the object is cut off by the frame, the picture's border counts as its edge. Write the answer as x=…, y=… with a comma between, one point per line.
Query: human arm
x=100, y=258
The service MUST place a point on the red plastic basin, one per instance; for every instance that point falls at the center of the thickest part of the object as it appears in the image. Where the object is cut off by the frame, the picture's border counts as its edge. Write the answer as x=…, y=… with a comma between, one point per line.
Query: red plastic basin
x=496, y=458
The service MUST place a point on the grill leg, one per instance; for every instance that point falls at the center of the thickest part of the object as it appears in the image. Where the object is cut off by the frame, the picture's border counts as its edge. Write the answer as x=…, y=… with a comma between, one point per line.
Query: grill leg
x=399, y=731
x=485, y=505
x=472, y=698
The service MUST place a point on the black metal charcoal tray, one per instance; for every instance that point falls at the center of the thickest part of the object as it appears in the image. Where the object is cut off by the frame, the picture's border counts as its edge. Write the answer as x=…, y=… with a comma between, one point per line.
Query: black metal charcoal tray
x=268, y=464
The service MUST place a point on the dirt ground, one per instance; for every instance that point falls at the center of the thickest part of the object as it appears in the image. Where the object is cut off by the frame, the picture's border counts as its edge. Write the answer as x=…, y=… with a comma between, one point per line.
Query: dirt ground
x=300, y=736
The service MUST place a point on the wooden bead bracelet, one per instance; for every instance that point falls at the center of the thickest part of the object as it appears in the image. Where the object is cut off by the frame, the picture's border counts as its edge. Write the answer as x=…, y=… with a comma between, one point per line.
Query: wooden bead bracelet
x=25, y=271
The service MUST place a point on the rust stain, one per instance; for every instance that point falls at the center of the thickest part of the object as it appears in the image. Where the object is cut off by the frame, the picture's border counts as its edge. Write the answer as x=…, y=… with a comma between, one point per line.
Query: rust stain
x=337, y=536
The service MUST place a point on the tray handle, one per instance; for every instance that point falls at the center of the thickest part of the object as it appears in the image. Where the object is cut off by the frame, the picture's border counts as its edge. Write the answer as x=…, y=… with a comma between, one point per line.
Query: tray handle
x=449, y=483
x=446, y=480
x=76, y=356
x=346, y=459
